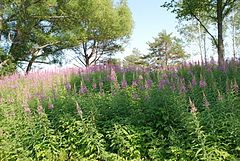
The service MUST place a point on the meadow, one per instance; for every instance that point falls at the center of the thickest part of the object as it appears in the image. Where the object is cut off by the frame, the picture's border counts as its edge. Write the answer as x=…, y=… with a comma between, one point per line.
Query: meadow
x=111, y=113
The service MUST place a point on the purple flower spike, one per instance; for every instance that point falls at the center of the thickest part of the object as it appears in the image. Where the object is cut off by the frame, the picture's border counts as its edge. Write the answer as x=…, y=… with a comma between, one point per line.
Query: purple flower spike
x=162, y=83
x=165, y=76
x=222, y=68
x=194, y=81
x=148, y=84
x=174, y=75
x=182, y=88
x=202, y=83
x=113, y=76
x=68, y=86
x=124, y=84
x=83, y=89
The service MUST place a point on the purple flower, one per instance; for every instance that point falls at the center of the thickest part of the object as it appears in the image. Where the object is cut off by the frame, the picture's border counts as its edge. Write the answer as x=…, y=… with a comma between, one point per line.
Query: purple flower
x=162, y=83
x=182, y=88
x=174, y=75
x=222, y=68
x=142, y=87
x=113, y=76
x=165, y=76
x=83, y=89
x=148, y=84
x=68, y=86
x=202, y=83
x=194, y=82
x=124, y=83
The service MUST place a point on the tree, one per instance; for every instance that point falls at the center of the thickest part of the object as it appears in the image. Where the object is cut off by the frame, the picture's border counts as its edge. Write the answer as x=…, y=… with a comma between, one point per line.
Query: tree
x=193, y=32
x=102, y=28
x=166, y=48
x=39, y=31
x=234, y=22
x=136, y=58
x=30, y=26
x=215, y=10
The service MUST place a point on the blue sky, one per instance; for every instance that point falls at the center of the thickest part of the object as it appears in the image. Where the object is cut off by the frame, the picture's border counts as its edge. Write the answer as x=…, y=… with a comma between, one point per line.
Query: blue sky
x=149, y=20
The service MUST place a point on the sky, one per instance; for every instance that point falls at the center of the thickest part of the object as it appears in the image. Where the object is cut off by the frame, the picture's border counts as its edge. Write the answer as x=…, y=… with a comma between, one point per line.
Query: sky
x=149, y=19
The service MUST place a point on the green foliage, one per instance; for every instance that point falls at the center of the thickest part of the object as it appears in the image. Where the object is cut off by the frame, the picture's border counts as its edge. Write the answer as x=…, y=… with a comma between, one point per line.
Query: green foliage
x=32, y=29
x=166, y=49
x=96, y=28
x=39, y=31
x=136, y=58
x=215, y=11
x=128, y=123
x=7, y=67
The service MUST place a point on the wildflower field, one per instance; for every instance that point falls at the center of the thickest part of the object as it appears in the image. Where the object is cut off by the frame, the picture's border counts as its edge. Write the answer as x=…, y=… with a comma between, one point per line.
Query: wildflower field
x=109, y=113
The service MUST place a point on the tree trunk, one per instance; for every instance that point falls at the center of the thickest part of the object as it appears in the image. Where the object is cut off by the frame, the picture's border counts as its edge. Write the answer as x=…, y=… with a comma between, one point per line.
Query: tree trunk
x=87, y=61
x=30, y=63
x=220, y=45
x=205, y=47
x=233, y=35
x=233, y=41
x=1, y=18
x=200, y=42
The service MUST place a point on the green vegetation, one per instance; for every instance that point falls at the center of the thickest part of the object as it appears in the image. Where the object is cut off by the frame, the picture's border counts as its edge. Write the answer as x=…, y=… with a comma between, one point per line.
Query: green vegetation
x=166, y=49
x=40, y=32
x=108, y=113
x=151, y=107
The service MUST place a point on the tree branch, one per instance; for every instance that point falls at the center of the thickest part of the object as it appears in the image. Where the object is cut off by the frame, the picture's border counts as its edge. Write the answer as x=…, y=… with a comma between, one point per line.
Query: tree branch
x=81, y=60
x=93, y=49
x=3, y=63
x=37, y=49
x=228, y=10
x=50, y=17
x=214, y=39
